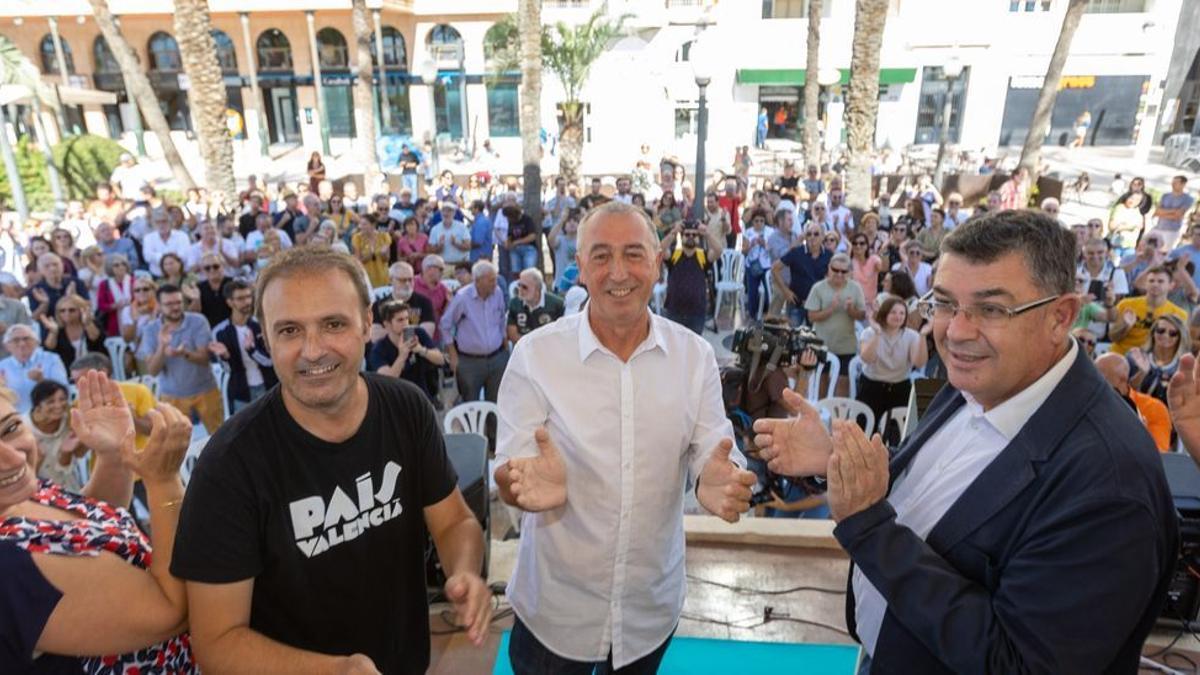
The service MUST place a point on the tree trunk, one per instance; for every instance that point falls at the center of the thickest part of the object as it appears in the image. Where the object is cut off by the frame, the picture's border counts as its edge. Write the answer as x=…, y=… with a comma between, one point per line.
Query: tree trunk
x=812, y=87
x=12, y=170
x=137, y=85
x=570, y=141
x=364, y=97
x=1039, y=126
x=529, y=30
x=193, y=30
x=862, y=100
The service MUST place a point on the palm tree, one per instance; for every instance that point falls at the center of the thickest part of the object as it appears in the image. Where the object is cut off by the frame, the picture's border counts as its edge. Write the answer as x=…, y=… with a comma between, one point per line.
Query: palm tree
x=812, y=87
x=862, y=100
x=137, y=85
x=17, y=69
x=529, y=20
x=13, y=70
x=569, y=53
x=193, y=29
x=1031, y=151
x=364, y=97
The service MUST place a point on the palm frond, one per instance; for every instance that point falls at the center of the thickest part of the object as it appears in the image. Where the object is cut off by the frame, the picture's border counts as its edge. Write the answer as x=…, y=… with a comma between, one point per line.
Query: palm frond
x=17, y=69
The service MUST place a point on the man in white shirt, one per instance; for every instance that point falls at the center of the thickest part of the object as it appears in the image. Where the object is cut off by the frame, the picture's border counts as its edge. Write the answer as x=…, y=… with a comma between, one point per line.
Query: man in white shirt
x=605, y=417
x=129, y=178
x=262, y=223
x=450, y=238
x=839, y=219
x=1026, y=525
x=163, y=240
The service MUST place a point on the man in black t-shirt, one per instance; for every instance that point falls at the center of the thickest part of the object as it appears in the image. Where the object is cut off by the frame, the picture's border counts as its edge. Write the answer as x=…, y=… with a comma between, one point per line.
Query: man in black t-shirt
x=406, y=351
x=302, y=534
x=687, y=278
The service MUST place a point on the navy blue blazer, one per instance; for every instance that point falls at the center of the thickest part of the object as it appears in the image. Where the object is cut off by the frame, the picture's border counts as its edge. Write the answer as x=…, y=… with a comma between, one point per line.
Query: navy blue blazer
x=1055, y=560
x=239, y=387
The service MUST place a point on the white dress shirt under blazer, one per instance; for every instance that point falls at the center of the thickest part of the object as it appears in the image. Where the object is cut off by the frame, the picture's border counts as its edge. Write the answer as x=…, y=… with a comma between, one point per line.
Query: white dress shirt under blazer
x=606, y=569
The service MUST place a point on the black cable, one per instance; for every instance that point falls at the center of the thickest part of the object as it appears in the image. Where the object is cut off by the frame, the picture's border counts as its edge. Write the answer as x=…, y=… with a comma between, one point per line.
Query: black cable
x=447, y=617
x=1166, y=659
x=739, y=623
x=757, y=591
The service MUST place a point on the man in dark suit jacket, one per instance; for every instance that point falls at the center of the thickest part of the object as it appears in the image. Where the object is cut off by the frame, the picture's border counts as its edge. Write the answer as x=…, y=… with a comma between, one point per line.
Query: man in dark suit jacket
x=1026, y=526
x=238, y=341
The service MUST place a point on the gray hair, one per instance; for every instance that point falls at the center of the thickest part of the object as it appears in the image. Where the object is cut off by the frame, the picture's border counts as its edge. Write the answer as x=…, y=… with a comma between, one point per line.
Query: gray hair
x=11, y=333
x=1048, y=248
x=535, y=274
x=112, y=259
x=483, y=268
x=615, y=208
x=432, y=259
x=93, y=361
x=400, y=267
x=840, y=258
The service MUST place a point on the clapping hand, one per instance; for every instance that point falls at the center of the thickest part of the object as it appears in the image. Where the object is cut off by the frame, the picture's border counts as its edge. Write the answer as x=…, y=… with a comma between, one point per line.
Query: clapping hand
x=40, y=295
x=48, y=323
x=723, y=487
x=170, y=435
x=857, y=471
x=1129, y=318
x=101, y=418
x=1183, y=396
x=218, y=349
x=1140, y=359
x=539, y=483
x=472, y=601
x=796, y=446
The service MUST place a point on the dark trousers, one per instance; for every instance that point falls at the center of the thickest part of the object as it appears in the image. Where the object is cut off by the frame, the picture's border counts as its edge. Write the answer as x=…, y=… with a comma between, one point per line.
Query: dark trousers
x=477, y=373
x=881, y=397
x=528, y=656
x=693, y=321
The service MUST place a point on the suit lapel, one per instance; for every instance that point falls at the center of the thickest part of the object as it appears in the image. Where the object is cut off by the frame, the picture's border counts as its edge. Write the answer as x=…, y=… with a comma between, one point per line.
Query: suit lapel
x=1016, y=466
x=944, y=405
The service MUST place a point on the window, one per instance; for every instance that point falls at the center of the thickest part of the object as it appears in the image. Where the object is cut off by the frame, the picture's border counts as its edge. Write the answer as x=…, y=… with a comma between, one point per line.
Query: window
x=565, y=4
x=684, y=53
x=503, y=115
x=501, y=40
x=1030, y=5
x=331, y=49
x=103, y=57
x=395, y=55
x=398, y=109
x=1116, y=6
x=791, y=9
x=50, y=59
x=687, y=114
x=225, y=54
x=274, y=50
x=932, y=103
x=164, y=53
x=445, y=44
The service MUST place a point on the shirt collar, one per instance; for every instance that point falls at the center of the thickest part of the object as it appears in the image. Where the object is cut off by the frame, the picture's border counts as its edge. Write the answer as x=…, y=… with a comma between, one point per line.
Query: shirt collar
x=588, y=342
x=1011, y=415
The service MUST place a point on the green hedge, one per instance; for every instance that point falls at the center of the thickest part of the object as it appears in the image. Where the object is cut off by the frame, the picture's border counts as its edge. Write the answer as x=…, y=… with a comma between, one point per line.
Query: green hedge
x=82, y=161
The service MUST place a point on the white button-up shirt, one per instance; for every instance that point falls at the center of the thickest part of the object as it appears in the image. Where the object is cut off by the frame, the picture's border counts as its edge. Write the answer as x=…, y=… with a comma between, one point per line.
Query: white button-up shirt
x=606, y=569
x=944, y=468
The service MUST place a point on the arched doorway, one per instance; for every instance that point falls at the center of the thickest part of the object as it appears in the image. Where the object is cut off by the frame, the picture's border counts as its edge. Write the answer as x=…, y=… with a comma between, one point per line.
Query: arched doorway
x=227, y=58
x=335, y=82
x=278, y=83
x=445, y=46
x=395, y=64
x=166, y=65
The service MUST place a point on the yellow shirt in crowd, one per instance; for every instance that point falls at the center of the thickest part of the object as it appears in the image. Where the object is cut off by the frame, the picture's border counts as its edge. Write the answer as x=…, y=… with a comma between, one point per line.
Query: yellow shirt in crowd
x=1139, y=332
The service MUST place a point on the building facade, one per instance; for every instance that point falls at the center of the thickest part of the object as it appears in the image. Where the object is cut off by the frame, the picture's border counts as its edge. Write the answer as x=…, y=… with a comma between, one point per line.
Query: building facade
x=642, y=92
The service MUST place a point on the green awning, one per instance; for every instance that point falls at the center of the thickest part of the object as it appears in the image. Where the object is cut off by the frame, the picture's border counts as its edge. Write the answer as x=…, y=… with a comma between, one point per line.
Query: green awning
x=795, y=77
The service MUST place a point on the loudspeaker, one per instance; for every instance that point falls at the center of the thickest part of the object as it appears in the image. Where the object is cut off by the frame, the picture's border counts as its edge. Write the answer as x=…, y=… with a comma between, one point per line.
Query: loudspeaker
x=468, y=456
x=1183, y=595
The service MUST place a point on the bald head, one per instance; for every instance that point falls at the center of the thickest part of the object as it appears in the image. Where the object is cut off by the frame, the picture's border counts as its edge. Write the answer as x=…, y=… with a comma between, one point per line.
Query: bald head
x=1115, y=370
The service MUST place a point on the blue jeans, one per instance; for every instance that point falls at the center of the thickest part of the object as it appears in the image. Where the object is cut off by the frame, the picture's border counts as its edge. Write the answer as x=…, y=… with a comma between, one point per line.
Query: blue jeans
x=521, y=258
x=756, y=281
x=410, y=181
x=528, y=656
x=798, y=316
x=255, y=392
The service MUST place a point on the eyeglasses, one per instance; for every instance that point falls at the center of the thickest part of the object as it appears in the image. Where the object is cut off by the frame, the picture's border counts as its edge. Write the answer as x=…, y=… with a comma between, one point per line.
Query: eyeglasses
x=1085, y=341
x=142, y=290
x=1166, y=331
x=402, y=280
x=115, y=265
x=1096, y=226
x=209, y=268
x=831, y=240
x=983, y=313
x=812, y=234
x=860, y=243
x=523, y=287
x=838, y=270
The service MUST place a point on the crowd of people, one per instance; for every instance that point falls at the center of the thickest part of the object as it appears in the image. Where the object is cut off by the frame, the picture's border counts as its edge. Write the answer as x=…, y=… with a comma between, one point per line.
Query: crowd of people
x=132, y=314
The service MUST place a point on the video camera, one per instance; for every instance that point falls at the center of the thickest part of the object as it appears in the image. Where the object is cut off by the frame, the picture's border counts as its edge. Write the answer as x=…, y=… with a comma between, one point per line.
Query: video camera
x=780, y=344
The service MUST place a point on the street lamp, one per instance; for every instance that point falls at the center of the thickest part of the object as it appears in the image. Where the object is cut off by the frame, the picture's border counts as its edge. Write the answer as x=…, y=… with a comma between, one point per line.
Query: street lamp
x=700, y=58
x=952, y=71
x=428, y=72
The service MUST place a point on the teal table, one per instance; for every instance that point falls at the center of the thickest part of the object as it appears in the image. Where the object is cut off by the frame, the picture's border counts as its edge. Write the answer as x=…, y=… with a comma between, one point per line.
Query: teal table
x=698, y=656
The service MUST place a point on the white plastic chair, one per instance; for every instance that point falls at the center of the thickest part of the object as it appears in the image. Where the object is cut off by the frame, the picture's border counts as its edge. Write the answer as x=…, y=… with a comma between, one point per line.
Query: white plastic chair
x=190, y=458
x=117, y=347
x=899, y=415
x=856, y=368
x=380, y=292
x=730, y=282
x=512, y=288
x=660, y=296
x=834, y=366
x=452, y=285
x=1102, y=348
x=848, y=409
x=222, y=374
x=150, y=381
x=470, y=417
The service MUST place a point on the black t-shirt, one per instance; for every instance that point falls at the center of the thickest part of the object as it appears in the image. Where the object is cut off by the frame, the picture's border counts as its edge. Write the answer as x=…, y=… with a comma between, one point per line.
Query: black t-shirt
x=212, y=303
x=787, y=188
x=687, y=284
x=417, y=369
x=333, y=534
x=523, y=227
x=416, y=301
x=246, y=224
